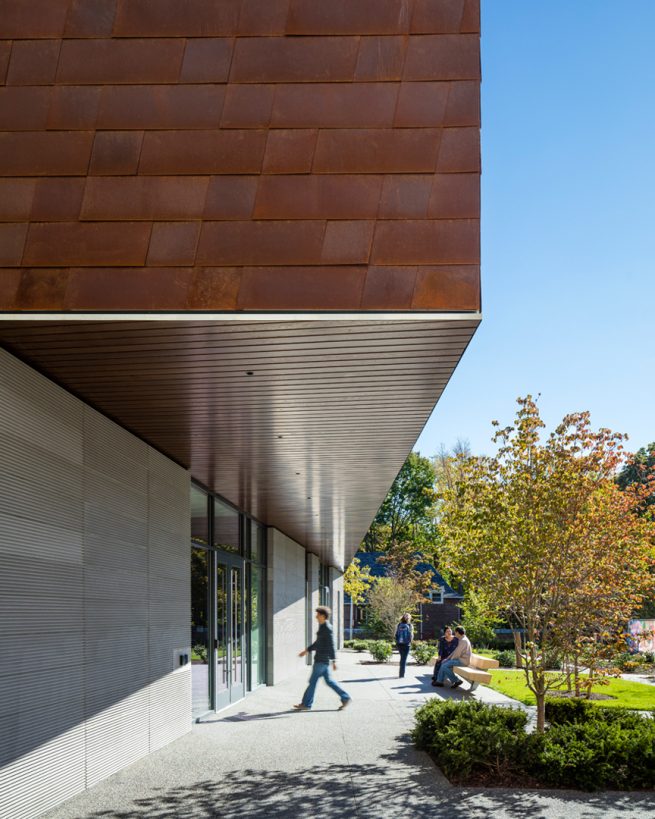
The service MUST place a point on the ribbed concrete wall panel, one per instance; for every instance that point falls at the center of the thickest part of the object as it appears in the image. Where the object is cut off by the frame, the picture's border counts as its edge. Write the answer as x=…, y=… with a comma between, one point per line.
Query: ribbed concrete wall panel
x=27, y=730
x=45, y=654
x=113, y=495
x=94, y=595
x=164, y=511
x=116, y=737
x=102, y=550
x=164, y=646
x=286, y=605
x=29, y=696
x=110, y=444
x=115, y=528
x=164, y=551
x=39, y=486
x=31, y=410
x=170, y=603
x=170, y=707
x=167, y=471
x=51, y=773
x=47, y=542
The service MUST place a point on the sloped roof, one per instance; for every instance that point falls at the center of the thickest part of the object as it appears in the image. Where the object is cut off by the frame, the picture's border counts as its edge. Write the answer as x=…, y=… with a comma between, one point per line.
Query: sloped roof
x=378, y=569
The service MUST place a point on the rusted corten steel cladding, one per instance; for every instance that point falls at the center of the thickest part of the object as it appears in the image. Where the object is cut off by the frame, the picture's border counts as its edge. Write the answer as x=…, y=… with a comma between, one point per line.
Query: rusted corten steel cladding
x=239, y=155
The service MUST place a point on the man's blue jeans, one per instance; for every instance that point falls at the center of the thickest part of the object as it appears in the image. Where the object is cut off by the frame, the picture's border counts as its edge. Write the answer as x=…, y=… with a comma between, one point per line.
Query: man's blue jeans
x=446, y=670
x=321, y=670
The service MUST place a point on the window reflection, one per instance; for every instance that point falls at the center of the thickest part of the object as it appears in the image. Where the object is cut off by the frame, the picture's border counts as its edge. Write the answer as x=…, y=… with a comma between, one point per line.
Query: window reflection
x=199, y=518
x=226, y=527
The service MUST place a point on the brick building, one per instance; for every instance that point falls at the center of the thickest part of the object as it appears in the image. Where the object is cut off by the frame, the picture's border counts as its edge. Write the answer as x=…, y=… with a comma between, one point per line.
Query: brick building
x=444, y=607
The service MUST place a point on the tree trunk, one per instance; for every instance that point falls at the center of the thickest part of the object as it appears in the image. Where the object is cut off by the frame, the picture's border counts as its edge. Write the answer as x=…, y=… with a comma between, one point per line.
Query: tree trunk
x=351, y=618
x=541, y=711
x=517, y=649
x=576, y=674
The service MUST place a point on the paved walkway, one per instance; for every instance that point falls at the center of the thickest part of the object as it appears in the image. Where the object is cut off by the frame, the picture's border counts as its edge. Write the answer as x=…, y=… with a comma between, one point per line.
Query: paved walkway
x=260, y=760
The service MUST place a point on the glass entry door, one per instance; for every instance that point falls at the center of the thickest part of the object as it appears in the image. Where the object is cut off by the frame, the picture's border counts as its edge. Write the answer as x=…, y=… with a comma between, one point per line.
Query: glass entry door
x=229, y=643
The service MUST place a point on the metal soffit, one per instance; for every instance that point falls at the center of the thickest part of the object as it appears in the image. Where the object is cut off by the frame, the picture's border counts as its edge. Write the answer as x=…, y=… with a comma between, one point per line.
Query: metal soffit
x=303, y=424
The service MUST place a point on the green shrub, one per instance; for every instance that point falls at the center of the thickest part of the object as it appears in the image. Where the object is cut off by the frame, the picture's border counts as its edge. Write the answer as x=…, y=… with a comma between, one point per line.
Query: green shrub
x=423, y=652
x=564, y=711
x=470, y=737
x=348, y=643
x=553, y=662
x=507, y=659
x=360, y=645
x=597, y=754
x=649, y=657
x=380, y=650
x=628, y=661
x=200, y=652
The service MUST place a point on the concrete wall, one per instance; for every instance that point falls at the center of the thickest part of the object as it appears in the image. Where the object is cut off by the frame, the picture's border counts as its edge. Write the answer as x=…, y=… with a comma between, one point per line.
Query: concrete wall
x=94, y=595
x=313, y=598
x=336, y=595
x=286, y=606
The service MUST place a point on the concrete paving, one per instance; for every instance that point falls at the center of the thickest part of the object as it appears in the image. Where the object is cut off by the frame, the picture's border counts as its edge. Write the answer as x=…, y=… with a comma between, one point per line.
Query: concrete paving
x=259, y=759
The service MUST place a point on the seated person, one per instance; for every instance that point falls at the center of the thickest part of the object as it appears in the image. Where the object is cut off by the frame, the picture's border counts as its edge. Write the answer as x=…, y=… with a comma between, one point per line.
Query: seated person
x=447, y=644
x=460, y=656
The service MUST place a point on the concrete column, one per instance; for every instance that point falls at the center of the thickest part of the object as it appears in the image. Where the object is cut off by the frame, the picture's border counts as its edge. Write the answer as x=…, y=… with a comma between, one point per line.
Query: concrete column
x=286, y=606
x=313, y=564
x=336, y=595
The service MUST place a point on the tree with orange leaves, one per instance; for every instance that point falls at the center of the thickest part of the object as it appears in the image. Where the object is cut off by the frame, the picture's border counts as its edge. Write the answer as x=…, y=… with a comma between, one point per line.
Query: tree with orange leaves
x=543, y=530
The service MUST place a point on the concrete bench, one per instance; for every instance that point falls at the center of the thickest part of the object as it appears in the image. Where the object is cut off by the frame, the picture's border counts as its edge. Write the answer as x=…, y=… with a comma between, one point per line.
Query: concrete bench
x=476, y=671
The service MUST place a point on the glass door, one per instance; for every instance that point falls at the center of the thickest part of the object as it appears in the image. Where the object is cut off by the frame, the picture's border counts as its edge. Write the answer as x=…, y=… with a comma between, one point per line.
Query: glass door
x=229, y=642
x=200, y=619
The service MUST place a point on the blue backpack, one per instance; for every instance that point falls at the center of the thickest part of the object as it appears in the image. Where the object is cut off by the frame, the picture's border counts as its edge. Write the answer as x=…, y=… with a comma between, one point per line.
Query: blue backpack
x=403, y=634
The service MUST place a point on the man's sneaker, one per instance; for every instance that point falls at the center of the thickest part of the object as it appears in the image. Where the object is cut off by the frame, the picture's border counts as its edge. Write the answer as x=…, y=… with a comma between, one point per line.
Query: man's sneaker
x=456, y=684
x=344, y=704
x=301, y=707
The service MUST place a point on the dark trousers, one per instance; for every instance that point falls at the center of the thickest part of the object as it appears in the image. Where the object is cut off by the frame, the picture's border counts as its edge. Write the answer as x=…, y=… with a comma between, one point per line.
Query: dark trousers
x=403, y=649
x=436, y=668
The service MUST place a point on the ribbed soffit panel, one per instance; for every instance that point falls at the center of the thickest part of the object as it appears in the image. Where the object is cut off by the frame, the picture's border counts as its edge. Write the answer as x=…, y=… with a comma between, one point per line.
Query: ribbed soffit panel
x=304, y=424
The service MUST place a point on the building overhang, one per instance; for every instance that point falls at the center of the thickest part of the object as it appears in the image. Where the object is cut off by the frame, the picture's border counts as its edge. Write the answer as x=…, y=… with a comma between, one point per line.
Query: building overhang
x=302, y=420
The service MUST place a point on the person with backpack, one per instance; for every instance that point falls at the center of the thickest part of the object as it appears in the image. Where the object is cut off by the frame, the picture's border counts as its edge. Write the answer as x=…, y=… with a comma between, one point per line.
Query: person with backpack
x=404, y=637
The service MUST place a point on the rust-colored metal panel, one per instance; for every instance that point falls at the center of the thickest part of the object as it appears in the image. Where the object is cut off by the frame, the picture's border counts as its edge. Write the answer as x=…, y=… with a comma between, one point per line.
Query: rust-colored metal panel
x=220, y=137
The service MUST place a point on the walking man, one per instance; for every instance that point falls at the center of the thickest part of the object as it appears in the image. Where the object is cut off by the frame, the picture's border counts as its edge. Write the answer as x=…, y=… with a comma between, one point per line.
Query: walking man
x=324, y=648
x=460, y=656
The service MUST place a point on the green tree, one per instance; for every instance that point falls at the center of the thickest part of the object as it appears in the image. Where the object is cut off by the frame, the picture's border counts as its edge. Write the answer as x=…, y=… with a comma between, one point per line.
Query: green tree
x=476, y=619
x=388, y=600
x=407, y=513
x=545, y=532
x=640, y=469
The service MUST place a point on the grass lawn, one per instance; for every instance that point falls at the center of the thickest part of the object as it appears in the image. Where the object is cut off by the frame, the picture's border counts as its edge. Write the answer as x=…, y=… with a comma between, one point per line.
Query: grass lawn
x=627, y=694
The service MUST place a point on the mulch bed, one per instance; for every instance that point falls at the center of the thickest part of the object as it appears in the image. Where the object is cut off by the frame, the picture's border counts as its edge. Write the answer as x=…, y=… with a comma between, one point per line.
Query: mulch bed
x=571, y=695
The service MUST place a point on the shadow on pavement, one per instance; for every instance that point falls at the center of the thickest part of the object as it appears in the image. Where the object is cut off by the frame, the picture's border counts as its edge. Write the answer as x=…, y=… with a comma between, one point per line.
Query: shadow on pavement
x=404, y=786
x=245, y=716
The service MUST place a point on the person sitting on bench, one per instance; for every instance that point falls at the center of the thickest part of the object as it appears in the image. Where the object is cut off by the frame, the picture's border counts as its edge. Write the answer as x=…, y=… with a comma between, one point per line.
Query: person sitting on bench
x=460, y=656
x=447, y=644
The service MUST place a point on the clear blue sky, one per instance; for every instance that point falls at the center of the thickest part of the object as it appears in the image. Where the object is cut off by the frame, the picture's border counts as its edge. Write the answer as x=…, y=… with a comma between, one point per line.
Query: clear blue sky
x=568, y=221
